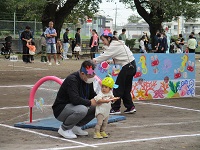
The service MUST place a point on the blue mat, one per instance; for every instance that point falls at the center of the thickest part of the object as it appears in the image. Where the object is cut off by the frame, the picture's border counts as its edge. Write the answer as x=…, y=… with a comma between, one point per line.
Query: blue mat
x=53, y=124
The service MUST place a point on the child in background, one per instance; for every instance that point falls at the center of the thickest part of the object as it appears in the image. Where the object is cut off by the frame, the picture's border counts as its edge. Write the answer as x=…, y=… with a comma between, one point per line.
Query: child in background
x=32, y=49
x=59, y=50
x=77, y=50
x=104, y=98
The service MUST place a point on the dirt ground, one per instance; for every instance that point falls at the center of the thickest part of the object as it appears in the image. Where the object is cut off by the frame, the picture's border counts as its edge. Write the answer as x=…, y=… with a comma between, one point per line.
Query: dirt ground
x=167, y=124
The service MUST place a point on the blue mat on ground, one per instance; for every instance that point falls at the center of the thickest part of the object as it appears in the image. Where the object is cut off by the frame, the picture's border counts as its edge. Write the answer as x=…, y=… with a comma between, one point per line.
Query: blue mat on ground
x=53, y=124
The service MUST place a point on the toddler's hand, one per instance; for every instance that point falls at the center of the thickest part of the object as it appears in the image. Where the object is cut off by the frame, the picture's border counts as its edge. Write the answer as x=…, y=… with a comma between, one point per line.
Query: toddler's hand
x=114, y=99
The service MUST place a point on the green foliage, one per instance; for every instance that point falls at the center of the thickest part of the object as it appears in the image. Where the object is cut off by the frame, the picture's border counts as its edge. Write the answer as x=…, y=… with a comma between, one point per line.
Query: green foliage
x=130, y=43
x=134, y=19
x=33, y=9
x=83, y=9
x=166, y=10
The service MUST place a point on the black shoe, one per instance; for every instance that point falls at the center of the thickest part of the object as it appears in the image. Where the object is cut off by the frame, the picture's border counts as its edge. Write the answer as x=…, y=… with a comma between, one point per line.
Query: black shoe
x=130, y=111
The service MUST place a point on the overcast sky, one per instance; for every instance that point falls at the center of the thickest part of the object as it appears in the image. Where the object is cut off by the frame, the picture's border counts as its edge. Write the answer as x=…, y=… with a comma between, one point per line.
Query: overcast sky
x=123, y=13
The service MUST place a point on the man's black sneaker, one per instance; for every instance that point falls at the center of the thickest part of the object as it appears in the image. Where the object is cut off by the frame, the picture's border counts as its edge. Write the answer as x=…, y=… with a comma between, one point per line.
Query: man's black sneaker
x=130, y=111
x=115, y=112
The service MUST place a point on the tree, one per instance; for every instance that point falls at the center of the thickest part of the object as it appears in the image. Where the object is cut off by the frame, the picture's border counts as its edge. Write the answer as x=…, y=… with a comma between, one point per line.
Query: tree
x=58, y=10
x=155, y=12
x=134, y=19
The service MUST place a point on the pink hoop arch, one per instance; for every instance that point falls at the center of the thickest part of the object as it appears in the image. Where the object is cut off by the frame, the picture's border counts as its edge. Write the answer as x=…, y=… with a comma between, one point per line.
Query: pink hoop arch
x=35, y=87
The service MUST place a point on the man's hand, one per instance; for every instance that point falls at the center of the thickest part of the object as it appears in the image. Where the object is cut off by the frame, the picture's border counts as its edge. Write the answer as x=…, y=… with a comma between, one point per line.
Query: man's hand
x=93, y=102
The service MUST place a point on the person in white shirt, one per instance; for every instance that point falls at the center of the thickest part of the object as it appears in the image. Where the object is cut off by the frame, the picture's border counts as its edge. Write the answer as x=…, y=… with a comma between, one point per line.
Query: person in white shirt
x=121, y=55
x=104, y=97
x=142, y=47
x=77, y=50
x=192, y=43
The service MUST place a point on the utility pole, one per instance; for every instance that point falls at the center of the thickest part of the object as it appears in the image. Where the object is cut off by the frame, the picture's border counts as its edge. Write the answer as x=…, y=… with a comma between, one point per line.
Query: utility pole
x=14, y=24
x=115, y=16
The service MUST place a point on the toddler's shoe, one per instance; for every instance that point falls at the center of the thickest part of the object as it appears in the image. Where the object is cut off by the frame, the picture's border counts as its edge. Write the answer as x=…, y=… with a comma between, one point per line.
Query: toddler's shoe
x=103, y=134
x=97, y=135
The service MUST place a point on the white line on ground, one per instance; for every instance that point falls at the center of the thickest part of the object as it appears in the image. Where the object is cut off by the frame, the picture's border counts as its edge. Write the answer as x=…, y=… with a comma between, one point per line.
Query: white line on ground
x=16, y=117
x=25, y=70
x=46, y=135
x=10, y=86
x=128, y=141
x=174, y=107
x=148, y=139
x=158, y=124
x=19, y=107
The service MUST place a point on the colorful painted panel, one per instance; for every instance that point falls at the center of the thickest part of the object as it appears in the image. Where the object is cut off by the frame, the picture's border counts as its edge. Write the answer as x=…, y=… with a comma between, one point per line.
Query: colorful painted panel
x=158, y=76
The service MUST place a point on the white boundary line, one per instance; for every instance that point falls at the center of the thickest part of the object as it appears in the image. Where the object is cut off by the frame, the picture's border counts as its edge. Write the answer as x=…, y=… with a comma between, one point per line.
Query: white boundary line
x=19, y=107
x=10, y=86
x=158, y=124
x=49, y=136
x=168, y=106
x=128, y=141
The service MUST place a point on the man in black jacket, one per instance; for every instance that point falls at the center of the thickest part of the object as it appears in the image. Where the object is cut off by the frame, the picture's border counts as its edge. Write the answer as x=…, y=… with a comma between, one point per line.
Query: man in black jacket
x=26, y=36
x=65, y=43
x=74, y=104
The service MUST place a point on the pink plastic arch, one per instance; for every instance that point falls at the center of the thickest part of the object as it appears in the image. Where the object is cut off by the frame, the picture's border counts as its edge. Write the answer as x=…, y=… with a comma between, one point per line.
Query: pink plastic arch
x=36, y=86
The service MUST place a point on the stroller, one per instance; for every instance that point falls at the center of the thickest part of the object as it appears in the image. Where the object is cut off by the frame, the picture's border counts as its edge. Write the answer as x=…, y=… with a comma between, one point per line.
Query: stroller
x=6, y=49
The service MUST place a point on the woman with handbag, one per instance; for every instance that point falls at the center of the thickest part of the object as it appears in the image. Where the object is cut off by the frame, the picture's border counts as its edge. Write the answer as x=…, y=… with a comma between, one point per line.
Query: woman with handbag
x=121, y=54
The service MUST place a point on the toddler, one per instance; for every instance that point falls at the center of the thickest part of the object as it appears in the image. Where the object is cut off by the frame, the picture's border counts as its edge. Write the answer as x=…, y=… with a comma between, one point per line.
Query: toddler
x=104, y=98
x=32, y=49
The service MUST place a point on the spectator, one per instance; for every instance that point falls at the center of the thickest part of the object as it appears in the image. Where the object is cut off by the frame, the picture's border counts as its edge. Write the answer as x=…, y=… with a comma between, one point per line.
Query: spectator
x=59, y=50
x=146, y=42
x=77, y=50
x=32, y=49
x=78, y=37
x=164, y=44
x=50, y=34
x=26, y=36
x=115, y=34
x=193, y=35
x=65, y=43
x=181, y=42
x=122, y=36
x=43, y=51
x=192, y=44
x=156, y=38
x=94, y=43
x=159, y=41
x=142, y=46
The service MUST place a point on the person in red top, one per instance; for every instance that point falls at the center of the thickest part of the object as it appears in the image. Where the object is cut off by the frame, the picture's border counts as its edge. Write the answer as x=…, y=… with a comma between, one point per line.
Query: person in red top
x=93, y=43
x=32, y=49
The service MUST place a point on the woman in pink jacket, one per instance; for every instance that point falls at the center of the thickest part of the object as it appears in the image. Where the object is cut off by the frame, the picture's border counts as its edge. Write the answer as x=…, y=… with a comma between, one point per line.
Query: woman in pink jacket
x=93, y=43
